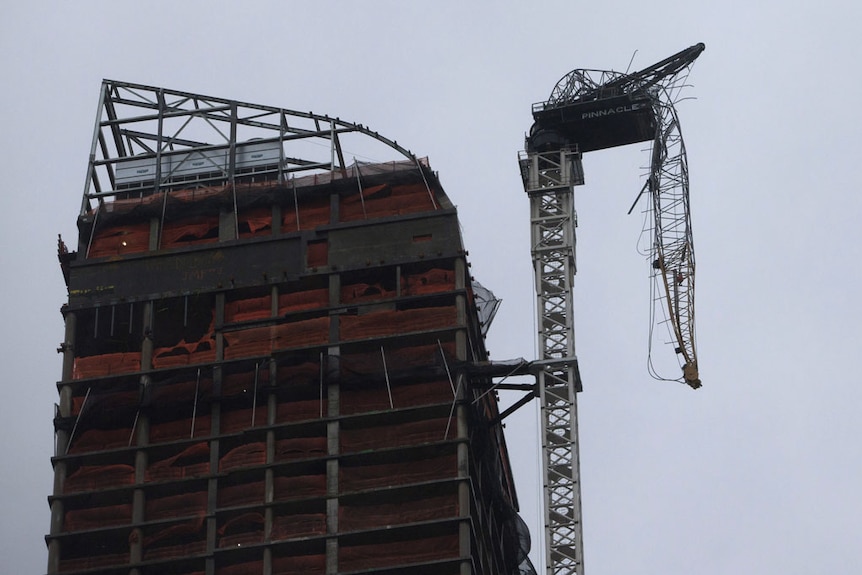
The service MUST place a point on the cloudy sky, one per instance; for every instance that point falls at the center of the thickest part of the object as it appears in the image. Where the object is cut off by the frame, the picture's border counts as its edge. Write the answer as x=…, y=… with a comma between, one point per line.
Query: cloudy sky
x=758, y=471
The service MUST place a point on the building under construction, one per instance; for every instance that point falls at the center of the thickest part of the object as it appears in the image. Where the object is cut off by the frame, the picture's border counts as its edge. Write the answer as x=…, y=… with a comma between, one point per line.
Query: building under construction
x=273, y=359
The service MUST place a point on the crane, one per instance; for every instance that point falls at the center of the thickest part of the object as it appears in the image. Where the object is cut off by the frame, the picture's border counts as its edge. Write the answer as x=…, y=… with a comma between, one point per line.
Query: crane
x=591, y=110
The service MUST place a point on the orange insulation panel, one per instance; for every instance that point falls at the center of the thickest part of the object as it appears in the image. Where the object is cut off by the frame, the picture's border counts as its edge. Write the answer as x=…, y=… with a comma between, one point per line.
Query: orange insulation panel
x=394, y=553
x=191, y=462
x=244, y=494
x=433, y=281
x=265, y=340
x=385, y=323
x=240, y=419
x=313, y=213
x=303, y=300
x=299, y=565
x=248, y=309
x=358, y=517
x=95, y=517
x=247, y=455
x=100, y=439
x=377, y=399
x=190, y=231
x=106, y=364
x=161, y=432
x=255, y=222
x=299, y=486
x=184, y=354
x=120, y=240
x=300, y=448
x=90, y=477
x=292, y=411
x=401, y=473
x=400, y=435
x=298, y=525
x=93, y=561
x=397, y=358
x=385, y=200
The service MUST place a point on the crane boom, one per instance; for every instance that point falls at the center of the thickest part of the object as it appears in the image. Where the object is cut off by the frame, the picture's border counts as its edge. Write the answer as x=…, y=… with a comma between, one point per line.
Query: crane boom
x=592, y=110
x=596, y=109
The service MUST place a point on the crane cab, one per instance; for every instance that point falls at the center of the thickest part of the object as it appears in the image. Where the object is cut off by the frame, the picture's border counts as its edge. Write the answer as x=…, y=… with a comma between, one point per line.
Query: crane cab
x=593, y=124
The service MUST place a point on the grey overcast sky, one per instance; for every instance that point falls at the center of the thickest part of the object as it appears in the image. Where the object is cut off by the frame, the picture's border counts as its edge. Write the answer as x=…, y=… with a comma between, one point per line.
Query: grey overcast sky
x=757, y=472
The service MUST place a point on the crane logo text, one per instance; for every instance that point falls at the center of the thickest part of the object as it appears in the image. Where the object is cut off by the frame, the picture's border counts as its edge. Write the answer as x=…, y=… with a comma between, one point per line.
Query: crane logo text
x=609, y=111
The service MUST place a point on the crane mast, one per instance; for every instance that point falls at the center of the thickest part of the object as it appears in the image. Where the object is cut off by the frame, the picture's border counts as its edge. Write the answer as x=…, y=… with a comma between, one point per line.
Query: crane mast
x=592, y=110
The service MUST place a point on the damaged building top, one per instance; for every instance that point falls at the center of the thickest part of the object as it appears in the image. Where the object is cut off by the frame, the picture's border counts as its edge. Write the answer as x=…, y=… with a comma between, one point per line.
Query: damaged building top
x=270, y=351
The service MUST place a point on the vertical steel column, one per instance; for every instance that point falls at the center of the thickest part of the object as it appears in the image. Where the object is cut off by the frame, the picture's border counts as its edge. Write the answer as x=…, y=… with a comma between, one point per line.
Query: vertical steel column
x=549, y=180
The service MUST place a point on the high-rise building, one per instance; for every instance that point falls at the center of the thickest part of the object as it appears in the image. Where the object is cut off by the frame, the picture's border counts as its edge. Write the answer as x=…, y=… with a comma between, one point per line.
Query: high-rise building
x=273, y=356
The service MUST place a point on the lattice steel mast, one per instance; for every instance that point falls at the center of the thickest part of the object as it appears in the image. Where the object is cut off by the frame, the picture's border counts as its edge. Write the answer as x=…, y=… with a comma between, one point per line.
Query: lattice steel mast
x=591, y=110
x=549, y=178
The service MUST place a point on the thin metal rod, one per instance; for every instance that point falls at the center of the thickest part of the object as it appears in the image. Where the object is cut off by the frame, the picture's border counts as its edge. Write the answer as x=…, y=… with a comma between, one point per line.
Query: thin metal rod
x=77, y=419
x=332, y=147
x=91, y=169
x=93, y=229
x=235, y=210
x=359, y=182
x=427, y=187
x=113, y=315
x=195, y=408
x=494, y=386
x=134, y=426
x=254, y=396
x=446, y=364
x=321, y=385
x=452, y=409
x=162, y=220
x=386, y=373
x=295, y=201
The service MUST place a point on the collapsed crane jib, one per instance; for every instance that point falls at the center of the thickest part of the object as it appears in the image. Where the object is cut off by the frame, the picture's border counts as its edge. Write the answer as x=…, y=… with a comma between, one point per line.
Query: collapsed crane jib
x=598, y=109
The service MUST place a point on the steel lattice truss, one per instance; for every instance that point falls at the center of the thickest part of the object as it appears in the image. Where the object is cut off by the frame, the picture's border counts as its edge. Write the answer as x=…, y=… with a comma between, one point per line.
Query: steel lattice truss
x=581, y=83
x=149, y=139
x=672, y=248
x=549, y=179
x=673, y=245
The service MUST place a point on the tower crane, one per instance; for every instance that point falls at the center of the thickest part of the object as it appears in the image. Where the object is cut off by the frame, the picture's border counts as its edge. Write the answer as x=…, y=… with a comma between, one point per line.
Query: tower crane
x=591, y=110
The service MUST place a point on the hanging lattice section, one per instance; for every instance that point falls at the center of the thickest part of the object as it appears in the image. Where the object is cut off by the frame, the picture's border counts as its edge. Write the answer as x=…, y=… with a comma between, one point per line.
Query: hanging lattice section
x=673, y=246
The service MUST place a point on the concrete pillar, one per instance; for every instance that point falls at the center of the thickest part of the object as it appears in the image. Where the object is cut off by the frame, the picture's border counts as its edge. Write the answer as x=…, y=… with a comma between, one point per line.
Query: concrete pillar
x=276, y=219
x=155, y=231
x=68, y=346
x=53, y=556
x=227, y=226
x=333, y=426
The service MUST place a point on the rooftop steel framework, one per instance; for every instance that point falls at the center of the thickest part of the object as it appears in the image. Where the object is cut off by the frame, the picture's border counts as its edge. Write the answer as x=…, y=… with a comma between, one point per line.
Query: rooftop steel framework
x=170, y=130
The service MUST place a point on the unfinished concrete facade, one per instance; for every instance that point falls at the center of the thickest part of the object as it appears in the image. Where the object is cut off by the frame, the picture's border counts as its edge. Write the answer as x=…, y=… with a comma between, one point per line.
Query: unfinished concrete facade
x=269, y=361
